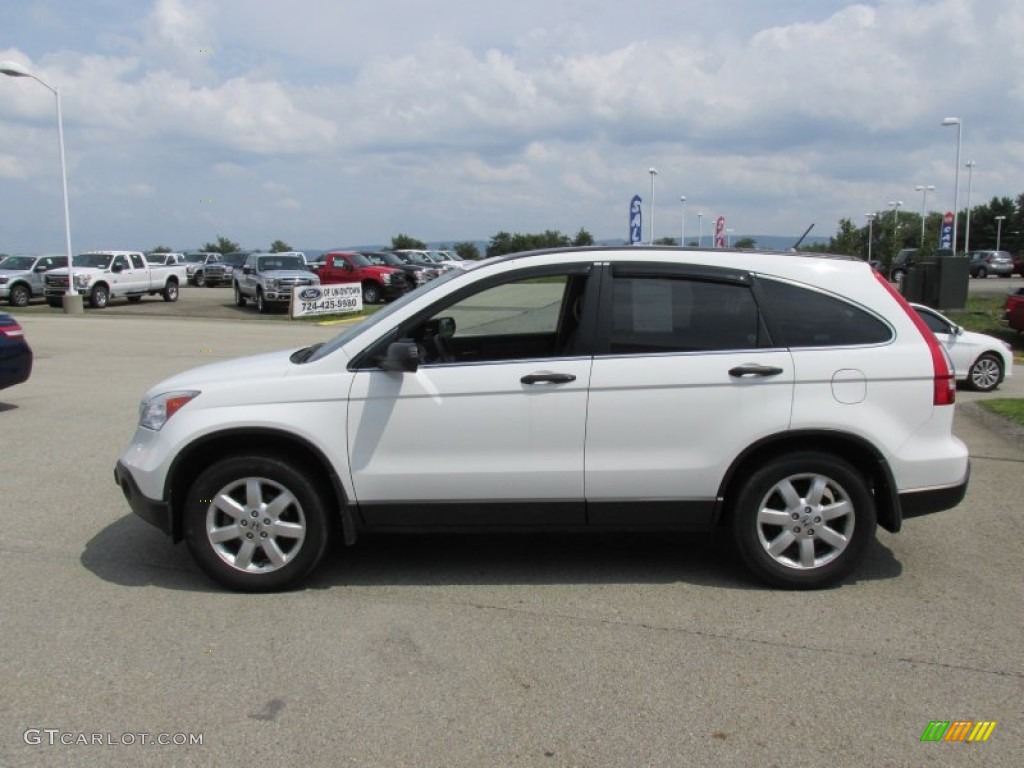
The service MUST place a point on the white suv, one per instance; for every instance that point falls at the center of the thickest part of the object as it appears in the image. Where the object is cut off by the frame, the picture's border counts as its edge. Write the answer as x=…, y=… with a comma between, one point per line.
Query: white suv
x=796, y=399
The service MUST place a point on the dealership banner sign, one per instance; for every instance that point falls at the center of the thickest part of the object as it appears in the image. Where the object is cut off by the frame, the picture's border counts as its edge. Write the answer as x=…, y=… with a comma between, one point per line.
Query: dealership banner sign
x=326, y=299
x=946, y=240
x=720, y=232
x=635, y=220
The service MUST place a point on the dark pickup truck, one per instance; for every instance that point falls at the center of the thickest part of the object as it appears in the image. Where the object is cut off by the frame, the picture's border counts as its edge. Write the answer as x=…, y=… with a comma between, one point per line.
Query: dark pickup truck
x=379, y=282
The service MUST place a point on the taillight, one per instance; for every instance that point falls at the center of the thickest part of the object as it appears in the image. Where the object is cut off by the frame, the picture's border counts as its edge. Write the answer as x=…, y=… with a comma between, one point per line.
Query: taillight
x=943, y=381
x=12, y=331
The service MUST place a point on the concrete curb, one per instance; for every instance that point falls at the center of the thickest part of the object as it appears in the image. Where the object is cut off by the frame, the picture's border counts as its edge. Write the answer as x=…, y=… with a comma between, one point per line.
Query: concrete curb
x=996, y=423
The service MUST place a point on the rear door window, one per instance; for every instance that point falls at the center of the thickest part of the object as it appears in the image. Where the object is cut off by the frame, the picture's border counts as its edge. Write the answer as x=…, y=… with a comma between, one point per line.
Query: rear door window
x=801, y=317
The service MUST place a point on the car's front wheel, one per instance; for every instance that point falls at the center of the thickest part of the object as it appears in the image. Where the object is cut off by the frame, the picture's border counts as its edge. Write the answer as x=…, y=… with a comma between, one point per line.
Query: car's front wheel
x=239, y=298
x=986, y=373
x=256, y=523
x=200, y=279
x=19, y=295
x=170, y=291
x=804, y=520
x=982, y=272
x=261, y=303
x=371, y=293
x=99, y=297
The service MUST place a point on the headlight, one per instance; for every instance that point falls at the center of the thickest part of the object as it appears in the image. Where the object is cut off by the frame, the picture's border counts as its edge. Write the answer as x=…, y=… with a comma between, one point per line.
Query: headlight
x=3, y=280
x=386, y=278
x=155, y=412
x=272, y=283
x=420, y=276
x=82, y=281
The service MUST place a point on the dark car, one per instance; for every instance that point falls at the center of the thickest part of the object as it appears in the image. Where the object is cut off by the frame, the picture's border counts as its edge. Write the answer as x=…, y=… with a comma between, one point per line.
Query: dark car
x=222, y=272
x=904, y=260
x=985, y=263
x=15, y=353
x=418, y=274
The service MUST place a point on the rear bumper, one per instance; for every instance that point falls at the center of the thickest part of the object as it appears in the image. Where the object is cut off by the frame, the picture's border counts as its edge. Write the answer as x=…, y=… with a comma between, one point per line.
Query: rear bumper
x=153, y=511
x=918, y=503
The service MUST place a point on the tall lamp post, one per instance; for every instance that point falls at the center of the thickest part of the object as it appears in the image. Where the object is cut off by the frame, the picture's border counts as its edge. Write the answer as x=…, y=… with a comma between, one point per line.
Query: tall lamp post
x=682, y=221
x=924, y=189
x=956, y=183
x=72, y=301
x=895, y=205
x=653, y=172
x=871, y=220
x=999, y=231
x=700, y=229
x=969, y=165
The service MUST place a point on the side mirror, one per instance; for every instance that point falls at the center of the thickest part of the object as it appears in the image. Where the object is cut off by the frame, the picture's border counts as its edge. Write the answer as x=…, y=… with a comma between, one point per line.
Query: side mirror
x=40, y=268
x=246, y=270
x=347, y=267
x=118, y=267
x=402, y=357
x=957, y=330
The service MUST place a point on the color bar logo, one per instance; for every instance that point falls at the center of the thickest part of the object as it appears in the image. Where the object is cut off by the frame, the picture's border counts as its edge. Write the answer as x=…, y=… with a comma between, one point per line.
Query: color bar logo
x=958, y=730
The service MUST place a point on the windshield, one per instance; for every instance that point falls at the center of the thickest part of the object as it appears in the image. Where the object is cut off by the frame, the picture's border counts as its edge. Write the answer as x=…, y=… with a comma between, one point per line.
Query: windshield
x=157, y=258
x=354, y=330
x=95, y=260
x=384, y=259
x=17, y=262
x=415, y=258
x=235, y=259
x=268, y=263
x=199, y=258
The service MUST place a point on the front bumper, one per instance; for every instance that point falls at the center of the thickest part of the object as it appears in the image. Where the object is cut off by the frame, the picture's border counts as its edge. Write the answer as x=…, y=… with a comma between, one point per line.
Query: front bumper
x=153, y=511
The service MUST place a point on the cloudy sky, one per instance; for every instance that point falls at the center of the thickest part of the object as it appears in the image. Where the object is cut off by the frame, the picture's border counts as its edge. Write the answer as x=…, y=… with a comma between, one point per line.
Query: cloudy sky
x=329, y=122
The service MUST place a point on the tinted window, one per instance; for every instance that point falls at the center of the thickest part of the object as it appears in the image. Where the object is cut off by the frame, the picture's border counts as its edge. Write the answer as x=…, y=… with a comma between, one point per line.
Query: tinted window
x=663, y=314
x=934, y=322
x=807, y=318
x=138, y=263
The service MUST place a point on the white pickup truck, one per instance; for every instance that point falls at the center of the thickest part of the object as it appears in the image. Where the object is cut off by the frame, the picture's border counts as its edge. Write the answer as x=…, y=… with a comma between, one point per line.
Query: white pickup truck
x=104, y=275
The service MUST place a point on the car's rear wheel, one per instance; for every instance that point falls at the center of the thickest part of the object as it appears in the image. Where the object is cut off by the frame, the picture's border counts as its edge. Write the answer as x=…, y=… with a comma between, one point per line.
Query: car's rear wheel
x=982, y=272
x=986, y=373
x=804, y=520
x=256, y=523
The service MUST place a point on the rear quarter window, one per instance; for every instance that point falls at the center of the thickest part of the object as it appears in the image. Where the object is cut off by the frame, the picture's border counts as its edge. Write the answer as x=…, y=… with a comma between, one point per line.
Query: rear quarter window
x=803, y=317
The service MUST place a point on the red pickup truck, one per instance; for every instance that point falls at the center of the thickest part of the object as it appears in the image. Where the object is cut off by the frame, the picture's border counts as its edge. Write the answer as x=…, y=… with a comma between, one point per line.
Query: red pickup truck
x=379, y=282
x=1015, y=310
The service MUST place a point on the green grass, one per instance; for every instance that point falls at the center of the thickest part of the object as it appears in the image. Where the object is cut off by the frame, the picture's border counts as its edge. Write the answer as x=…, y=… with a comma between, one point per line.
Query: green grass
x=1012, y=409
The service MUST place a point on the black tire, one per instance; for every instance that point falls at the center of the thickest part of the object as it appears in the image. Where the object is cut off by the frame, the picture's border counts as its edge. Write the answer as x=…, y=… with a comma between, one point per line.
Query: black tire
x=261, y=304
x=239, y=298
x=258, y=488
x=371, y=293
x=56, y=303
x=134, y=299
x=834, y=511
x=170, y=291
x=199, y=279
x=986, y=373
x=19, y=295
x=99, y=297
x=982, y=272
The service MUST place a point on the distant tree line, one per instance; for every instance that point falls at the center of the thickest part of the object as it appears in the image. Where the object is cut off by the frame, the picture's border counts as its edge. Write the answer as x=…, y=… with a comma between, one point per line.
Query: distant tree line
x=894, y=229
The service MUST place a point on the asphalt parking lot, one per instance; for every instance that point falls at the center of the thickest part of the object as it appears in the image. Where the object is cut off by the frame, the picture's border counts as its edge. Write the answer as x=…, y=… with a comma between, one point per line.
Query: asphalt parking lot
x=455, y=651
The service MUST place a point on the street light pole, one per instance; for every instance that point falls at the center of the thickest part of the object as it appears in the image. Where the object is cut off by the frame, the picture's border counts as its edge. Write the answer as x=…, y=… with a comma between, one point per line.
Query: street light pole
x=895, y=205
x=956, y=184
x=653, y=172
x=682, y=221
x=924, y=189
x=999, y=231
x=969, y=165
x=700, y=229
x=871, y=220
x=72, y=301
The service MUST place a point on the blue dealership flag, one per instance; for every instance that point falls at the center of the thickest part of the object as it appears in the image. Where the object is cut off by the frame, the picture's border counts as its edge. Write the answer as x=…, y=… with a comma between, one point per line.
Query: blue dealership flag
x=635, y=220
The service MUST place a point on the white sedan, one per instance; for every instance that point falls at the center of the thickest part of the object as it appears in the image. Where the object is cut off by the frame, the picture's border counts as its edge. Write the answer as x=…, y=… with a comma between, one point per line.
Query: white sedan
x=981, y=361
